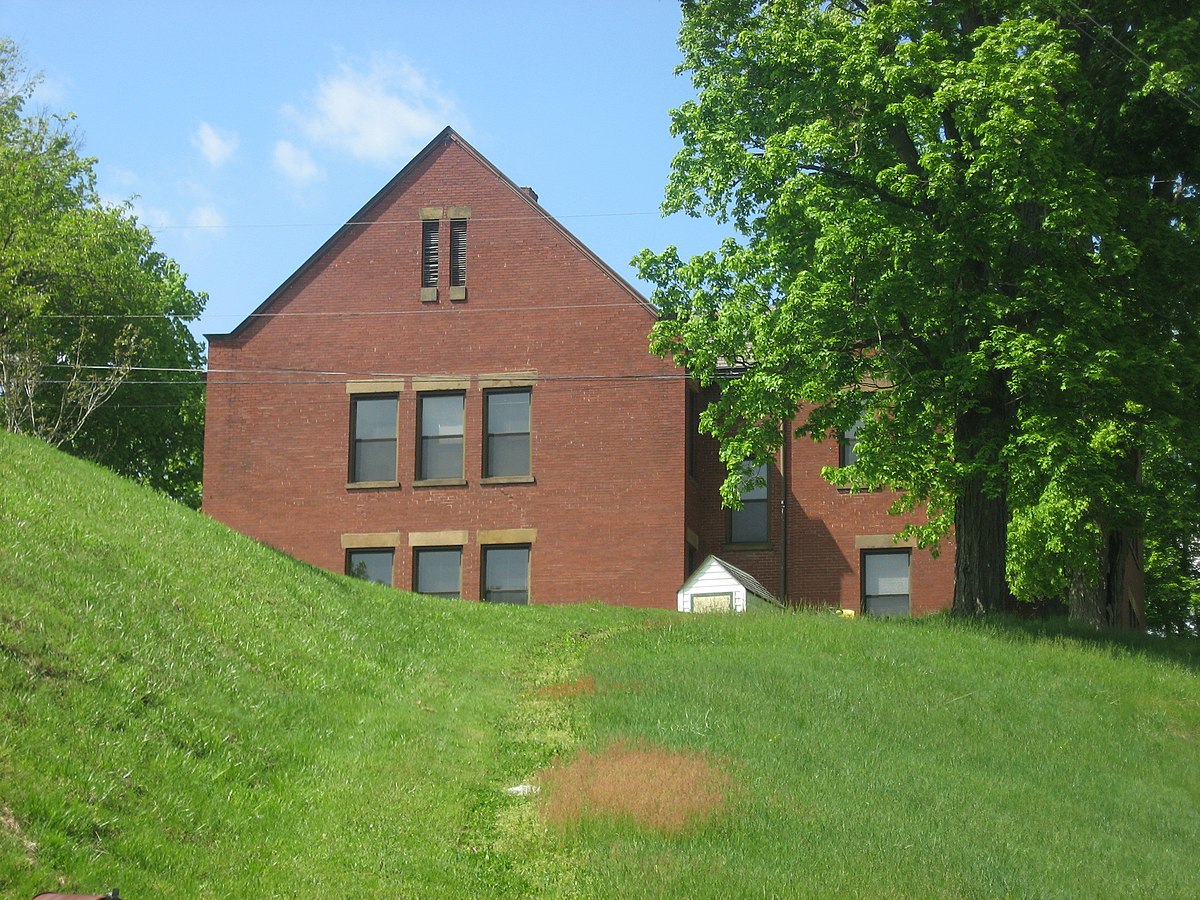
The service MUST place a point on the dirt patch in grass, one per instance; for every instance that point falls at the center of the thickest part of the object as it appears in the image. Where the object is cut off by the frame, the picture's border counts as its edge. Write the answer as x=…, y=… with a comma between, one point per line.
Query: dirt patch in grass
x=666, y=790
x=10, y=824
x=585, y=684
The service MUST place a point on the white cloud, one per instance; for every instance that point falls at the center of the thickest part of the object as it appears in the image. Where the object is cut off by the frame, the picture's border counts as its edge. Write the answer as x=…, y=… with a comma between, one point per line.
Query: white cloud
x=206, y=217
x=295, y=163
x=216, y=146
x=382, y=114
x=50, y=93
x=124, y=178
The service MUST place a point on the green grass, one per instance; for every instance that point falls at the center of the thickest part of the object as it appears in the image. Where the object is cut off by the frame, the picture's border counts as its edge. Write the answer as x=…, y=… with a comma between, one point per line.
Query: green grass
x=186, y=713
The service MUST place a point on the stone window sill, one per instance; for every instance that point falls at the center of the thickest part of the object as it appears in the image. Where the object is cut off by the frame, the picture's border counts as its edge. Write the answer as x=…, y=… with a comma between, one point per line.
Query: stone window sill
x=371, y=485
x=440, y=482
x=509, y=479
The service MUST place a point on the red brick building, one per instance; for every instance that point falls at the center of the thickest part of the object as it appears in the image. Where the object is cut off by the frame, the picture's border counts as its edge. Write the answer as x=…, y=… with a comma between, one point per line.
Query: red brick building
x=454, y=395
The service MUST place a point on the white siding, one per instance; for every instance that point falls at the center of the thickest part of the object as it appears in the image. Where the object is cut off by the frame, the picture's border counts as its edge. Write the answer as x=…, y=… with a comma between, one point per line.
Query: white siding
x=712, y=579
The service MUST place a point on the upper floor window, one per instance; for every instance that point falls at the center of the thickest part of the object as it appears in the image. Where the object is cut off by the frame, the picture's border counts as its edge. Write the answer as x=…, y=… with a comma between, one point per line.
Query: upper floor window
x=373, y=438
x=885, y=582
x=371, y=565
x=692, y=431
x=848, y=444
x=751, y=523
x=440, y=454
x=506, y=433
x=506, y=574
x=437, y=571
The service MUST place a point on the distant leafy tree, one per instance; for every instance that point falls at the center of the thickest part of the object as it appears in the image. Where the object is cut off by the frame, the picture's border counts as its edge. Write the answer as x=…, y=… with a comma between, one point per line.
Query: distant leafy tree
x=972, y=226
x=1173, y=543
x=86, y=302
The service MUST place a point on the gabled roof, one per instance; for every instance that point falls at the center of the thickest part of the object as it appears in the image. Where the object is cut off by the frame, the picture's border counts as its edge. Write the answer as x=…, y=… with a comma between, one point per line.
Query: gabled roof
x=745, y=579
x=359, y=219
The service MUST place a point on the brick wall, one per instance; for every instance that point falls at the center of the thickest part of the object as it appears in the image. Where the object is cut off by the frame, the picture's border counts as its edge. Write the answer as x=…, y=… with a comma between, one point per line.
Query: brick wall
x=612, y=509
x=827, y=531
x=606, y=506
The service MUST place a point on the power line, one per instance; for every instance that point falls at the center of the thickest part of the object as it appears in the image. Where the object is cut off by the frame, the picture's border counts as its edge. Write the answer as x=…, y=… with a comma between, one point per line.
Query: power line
x=1130, y=53
x=405, y=221
x=320, y=377
x=348, y=313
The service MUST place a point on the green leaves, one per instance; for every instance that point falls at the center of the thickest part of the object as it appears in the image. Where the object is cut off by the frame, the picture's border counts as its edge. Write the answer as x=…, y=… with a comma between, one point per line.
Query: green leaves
x=990, y=208
x=84, y=300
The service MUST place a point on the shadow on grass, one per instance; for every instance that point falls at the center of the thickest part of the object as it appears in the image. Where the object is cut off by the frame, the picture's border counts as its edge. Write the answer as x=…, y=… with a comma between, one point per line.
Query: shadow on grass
x=1182, y=651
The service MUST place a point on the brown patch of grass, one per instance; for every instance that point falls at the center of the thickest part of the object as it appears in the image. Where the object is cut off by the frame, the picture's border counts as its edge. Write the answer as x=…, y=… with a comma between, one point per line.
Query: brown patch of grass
x=656, y=788
x=564, y=689
x=10, y=824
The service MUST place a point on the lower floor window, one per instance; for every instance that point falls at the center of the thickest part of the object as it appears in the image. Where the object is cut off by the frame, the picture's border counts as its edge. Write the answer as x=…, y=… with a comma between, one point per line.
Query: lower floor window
x=885, y=582
x=371, y=565
x=437, y=571
x=506, y=574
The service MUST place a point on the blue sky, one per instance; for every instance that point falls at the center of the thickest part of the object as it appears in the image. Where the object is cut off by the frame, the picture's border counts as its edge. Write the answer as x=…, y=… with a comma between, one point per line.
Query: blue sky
x=247, y=133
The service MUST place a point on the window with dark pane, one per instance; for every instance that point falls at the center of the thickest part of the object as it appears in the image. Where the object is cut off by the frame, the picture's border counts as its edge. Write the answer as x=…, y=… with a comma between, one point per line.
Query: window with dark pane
x=441, y=451
x=429, y=253
x=371, y=565
x=458, y=252
x=750, y=524
x=373, y=438
x=848, y=454
x=885, y=582
x=437, y=571
x=692, y=434
x=506, y=574
x=506, y=428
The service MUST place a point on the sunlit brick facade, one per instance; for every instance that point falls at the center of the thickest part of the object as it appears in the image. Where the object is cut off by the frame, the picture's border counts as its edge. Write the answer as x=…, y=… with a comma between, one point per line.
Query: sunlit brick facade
x=454, y=395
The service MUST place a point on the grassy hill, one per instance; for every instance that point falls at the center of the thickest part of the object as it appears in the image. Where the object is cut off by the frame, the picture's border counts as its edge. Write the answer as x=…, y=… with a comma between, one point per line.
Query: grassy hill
x=186, y=713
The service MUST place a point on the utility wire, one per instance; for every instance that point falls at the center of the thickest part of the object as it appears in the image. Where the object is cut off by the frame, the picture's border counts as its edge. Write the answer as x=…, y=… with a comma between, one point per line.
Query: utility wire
x=406, y=221
x=1131, y=55
x=348, y=313
x=319, y=377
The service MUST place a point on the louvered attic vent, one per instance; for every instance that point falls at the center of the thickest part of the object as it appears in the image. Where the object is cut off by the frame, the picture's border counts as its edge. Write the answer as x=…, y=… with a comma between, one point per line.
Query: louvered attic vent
x=429, y=253
x=458, y=252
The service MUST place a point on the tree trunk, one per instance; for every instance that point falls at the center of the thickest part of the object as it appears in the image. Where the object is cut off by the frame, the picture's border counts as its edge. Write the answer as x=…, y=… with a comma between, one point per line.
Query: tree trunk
x=981, y=536
x=1114, y=595
x=981, y=507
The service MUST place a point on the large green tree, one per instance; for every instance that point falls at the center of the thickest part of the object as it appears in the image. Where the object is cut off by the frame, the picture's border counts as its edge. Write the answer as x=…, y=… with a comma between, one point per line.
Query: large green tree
x=95, y=353
x=971, y=226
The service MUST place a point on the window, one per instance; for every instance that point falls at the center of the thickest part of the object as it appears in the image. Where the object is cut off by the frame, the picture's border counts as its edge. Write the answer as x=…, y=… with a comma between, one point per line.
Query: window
x=437, y=571
x=750, y=524
x=692, y=432
x=371, y=565
x=847, y=455
x=458, y=252
x=506, y=433
x=885, y=582
x=440, y=455
x=506, y=574
x=373, y=438
x=429, y=253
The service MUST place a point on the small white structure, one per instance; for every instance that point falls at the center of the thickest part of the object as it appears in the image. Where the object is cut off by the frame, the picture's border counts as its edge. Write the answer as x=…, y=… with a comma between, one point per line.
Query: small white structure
x=716, y=586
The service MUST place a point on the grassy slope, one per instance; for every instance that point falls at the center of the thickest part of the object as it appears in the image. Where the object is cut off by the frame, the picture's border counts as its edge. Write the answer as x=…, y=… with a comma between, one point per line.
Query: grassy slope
x=186, y=713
